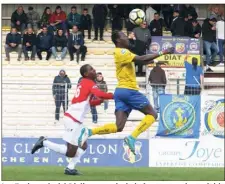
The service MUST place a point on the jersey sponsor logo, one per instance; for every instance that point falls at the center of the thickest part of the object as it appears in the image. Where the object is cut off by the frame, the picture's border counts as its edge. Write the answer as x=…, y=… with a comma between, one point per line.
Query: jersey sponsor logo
x=123, y=51
x=128, y=156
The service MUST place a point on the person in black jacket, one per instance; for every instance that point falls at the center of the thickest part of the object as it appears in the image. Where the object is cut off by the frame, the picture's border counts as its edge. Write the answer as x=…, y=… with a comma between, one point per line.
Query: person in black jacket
x=13, y=43
x=178, y=24
x=85, y=23
x=187, y=26
x=59, y=44
x=209, y=41
x=99, y=12
x=76, y=45
x=190, y=12
x=60, y=87
x=196, y=30
x=44, y=43
x=19, y=19
x=156, y=25
x=29, y=44
x=117, y=12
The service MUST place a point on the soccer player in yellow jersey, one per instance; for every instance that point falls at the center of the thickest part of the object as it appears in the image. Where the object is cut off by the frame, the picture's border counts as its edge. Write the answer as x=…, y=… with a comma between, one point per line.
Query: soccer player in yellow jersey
x=127, y=96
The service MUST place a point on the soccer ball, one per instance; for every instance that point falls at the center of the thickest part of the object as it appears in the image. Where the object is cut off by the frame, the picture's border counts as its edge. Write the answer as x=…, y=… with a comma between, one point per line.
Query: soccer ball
x=137, y=16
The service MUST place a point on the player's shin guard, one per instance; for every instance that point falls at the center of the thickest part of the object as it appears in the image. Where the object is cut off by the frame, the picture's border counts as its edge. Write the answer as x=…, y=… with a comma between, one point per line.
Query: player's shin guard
x=105, y=129
x=146, y=122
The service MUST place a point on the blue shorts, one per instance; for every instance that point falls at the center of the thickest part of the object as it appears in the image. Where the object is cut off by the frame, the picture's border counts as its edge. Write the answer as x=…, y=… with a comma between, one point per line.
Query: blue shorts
x=128, y=99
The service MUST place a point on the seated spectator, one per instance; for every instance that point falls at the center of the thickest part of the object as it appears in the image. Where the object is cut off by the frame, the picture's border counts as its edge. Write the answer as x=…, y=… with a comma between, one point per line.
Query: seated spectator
x=99, y=14
x=209, y=41
x=44, y=43
x=59, y=44
x=76, y=45
x=177, y=26
x=157, y=25
x=220, y=39
x=196, y=30
x=73, y=18
x=85, y=23
x=58, y=20
x=29, y=44
x=19, y=19
x=46, y=17
x=33, y=19
x=13, y=43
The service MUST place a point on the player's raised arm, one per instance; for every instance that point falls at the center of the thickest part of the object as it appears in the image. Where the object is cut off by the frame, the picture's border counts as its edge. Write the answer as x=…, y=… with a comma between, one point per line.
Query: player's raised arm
x=101, y=94
x=149, y=58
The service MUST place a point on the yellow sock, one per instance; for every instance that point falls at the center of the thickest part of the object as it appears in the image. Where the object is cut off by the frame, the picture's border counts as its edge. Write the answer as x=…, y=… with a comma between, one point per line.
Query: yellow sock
x=105, y=129
x=146, y=122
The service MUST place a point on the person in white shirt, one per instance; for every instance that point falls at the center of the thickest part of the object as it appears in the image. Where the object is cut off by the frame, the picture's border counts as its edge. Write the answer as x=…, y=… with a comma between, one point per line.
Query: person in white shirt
x=149, y=14
x=220, y=38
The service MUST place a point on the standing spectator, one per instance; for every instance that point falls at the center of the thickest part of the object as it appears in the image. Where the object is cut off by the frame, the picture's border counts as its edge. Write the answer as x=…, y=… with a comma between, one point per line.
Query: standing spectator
x=19, y=19
x=60, y=87
x=58, y=20
x=194, y=77
x=44, y=43
x=189, y=11
x=157, y=25
x=85, y=22
x=117, y=12
x=149, y=14
x=178, y=24
x=13, y=43
x=73, y=18
x=59, y=44
x=99, y=12
x=157, y=80
x=220, y=39
x=29, y=44
x=33, y=19
x=187, y=26
x=46, y=17
x=167, y=11
x=76, y=45
x=209, y=41
x=215, y=12
x=143, y=40
x=196, y=30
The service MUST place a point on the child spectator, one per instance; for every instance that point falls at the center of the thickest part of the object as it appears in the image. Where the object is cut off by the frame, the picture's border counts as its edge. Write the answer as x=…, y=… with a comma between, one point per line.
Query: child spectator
x=59, y=44
x=85, y=23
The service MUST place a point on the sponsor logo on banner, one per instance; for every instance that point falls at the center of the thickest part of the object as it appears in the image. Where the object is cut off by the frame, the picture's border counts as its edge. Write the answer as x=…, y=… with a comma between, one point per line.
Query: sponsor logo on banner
x=180, y=47
x=166, y=45
x=213, y=116
x=155, y=47
x=186, y=153
x=180, y=116
x=100, y=152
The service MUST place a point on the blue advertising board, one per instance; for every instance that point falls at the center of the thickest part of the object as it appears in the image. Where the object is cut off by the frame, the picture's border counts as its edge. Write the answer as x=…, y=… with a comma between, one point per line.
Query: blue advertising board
x=100, y=152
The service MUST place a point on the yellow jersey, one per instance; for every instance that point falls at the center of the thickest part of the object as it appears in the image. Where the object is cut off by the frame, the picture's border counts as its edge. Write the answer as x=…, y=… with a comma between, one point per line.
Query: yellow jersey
x=125, y=69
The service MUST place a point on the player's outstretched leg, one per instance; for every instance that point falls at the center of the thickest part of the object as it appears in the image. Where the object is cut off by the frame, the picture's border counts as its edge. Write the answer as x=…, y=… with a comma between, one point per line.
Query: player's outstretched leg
x=38, y=145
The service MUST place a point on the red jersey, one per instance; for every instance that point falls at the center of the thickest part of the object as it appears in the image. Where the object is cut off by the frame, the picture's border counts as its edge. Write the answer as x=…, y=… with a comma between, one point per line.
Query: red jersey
x=54, y=17
x=82, y=99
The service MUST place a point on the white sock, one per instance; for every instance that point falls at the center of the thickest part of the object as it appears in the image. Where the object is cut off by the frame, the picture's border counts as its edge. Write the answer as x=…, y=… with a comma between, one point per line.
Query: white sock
x=59, y=148
x=73, y=162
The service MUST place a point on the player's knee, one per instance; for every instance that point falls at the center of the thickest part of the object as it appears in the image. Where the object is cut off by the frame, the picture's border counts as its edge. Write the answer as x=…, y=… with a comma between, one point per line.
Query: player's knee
x=120, y=128
x=71, y=151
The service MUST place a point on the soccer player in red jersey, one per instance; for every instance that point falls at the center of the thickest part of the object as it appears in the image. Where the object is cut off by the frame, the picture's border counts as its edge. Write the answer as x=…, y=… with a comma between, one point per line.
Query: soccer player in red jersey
x=74, y=117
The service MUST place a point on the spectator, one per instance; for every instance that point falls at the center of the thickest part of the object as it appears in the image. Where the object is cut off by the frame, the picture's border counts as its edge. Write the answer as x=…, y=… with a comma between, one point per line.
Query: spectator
x=143, y=40
x=60, y=87
x=58, y=20
x=194, y=77
x=13, y=43
x=85, y=23
x=46, y=17
x=99, y=14
x=73, y=18
x=149, y=14
x=44, y=43
x=117, y=12
x=167, y=11
x=59, y=44
x=29, y=44
x=190, y=12
x=215, y=12
x=187, y=26
x=157, y=25
x=157, y=80
x=76, y=45
x=220, y=39
x=33, y=19
x=19, y=19
x=209, y=41
x=196, y=30
x=178, y=24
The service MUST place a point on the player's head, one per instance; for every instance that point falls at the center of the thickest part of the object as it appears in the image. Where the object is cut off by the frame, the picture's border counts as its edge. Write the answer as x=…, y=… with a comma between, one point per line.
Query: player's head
x=195, y=62
x=87, y=71
x=120, y=39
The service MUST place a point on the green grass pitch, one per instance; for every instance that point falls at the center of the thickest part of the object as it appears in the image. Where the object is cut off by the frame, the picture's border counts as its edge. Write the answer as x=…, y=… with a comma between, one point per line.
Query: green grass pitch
x=51, y=173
